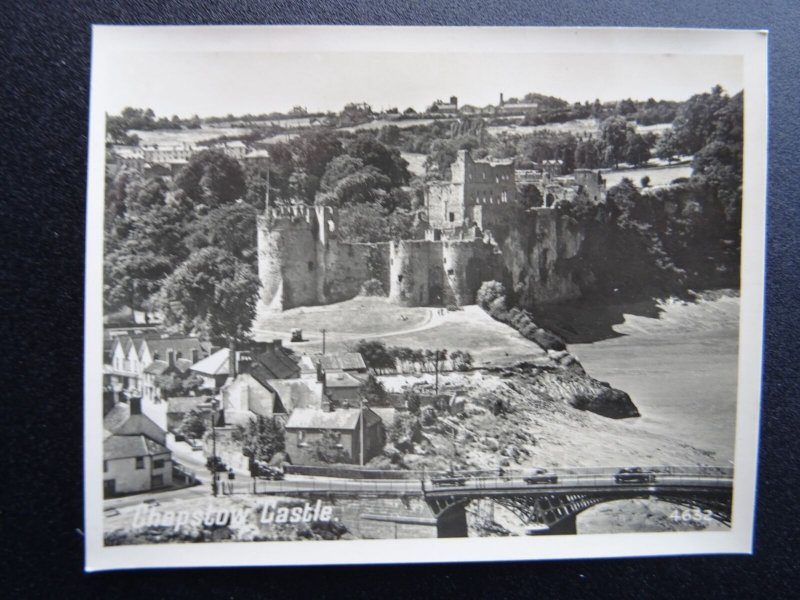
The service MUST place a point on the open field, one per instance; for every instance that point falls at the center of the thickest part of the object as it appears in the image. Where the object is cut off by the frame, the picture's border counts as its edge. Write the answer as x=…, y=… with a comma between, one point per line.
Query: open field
x=577, y=127
x=172, y=137
x=353, y=317
x=469, y=329
x=658, y=175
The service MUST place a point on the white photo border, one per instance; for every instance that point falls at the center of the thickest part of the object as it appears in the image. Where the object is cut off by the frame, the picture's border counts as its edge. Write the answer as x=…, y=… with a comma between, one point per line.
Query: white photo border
x=750, y=45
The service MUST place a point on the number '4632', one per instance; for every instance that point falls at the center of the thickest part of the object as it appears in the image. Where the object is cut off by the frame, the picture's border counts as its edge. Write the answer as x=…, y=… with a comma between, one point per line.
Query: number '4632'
x=691, y=515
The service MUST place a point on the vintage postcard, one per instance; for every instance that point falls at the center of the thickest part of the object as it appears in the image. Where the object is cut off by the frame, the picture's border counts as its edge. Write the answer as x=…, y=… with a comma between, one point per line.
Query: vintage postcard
x=385, y=295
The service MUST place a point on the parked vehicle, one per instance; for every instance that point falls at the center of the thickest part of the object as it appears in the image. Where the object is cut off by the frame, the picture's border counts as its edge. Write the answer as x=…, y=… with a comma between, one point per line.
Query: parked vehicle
x=261, y=469
x=297, y=335
x=215, y=464
x=540, y=476
x=194, y=444
x=634, y=475
x=449, y=481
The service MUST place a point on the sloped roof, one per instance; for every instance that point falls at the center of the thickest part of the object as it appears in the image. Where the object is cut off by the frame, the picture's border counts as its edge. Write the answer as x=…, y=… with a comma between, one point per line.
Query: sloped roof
x=341, y=418
x=159, y=367
x=121, y=340
x=216, y=364
x=275, y=363
x=386, y=415
x=310, y=418
x=115, y=417
x=340, y=379
x=130, y=446
x=298, y=393
x=141, y=425
x=182, y=345
x=344, y=361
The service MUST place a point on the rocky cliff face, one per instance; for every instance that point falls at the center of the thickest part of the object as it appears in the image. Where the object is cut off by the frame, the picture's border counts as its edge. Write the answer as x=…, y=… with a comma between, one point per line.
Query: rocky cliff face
x=539, y=250
x=559, y=377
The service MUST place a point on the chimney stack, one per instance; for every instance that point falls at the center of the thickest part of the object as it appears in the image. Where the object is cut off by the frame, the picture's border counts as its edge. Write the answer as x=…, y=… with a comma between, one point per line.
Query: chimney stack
x=277, y=343
x=195, y=355
x=320, y=373
x=135, y=403
x=232, y=363
x=171, y=357
x=501, y=98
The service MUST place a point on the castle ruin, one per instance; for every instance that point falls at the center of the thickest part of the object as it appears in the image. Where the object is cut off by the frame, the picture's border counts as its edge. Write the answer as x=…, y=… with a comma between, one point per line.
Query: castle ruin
x=477, y=231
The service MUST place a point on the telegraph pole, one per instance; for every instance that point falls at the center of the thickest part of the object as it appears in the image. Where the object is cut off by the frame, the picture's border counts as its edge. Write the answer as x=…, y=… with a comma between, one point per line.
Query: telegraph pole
x=436, y=393
x=323, y=341
x=362, y=431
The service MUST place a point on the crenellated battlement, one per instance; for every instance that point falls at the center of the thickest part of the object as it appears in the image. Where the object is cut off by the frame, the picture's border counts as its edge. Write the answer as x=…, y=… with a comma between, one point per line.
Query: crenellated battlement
x=477, y=231
x=296, y=215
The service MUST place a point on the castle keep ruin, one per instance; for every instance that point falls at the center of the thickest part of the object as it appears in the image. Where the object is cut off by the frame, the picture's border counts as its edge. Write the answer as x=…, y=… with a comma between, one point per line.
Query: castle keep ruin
x=477, y=231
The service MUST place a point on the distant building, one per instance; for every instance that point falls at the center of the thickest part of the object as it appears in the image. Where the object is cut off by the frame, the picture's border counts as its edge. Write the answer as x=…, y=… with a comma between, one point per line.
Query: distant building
x=350, y=362
x=266, y=382
x=516, y=108
x=306, y=426
x=213, y=370
x=135, y=456
x=448, y=108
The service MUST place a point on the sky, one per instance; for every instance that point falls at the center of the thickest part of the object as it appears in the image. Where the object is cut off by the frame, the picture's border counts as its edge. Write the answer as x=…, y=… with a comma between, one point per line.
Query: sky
x=240, y=82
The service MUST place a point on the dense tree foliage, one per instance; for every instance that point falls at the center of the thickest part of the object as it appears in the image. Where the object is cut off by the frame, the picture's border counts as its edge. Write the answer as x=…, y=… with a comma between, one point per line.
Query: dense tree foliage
x=672, y=238
x=212, y=178
x=212, y=294
x=193, y=425
x=263, y=438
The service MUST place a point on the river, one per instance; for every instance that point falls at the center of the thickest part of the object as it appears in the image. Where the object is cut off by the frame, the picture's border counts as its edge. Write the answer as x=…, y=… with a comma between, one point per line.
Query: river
x=680, y=370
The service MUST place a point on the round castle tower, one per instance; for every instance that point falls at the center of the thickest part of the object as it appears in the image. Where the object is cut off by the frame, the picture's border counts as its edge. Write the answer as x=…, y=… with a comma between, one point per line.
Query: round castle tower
x=413, y=266
x=287, y=257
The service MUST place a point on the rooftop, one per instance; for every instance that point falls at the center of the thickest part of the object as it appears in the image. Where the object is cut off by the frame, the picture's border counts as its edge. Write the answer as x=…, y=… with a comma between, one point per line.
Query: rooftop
x=130, y=446
x=216, y=364
x=342, y=418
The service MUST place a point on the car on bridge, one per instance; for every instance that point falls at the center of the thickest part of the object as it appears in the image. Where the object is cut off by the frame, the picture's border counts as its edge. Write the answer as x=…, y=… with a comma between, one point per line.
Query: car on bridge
x=450, y=480
x=634, y=475
x=261, y=469
x=539, y=476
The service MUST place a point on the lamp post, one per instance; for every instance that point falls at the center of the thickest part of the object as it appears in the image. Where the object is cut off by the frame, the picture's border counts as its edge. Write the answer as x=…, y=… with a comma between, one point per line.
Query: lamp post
x=214, y=482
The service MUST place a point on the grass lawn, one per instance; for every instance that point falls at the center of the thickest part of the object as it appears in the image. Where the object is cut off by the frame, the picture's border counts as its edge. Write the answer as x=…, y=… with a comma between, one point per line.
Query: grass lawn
x=359, y=316
x=657, y=175
x=475, y=331
x=470, y=329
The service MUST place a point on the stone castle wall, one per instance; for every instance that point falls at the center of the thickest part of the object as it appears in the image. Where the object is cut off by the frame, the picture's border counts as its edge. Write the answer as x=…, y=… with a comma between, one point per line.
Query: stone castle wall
x=478, y=232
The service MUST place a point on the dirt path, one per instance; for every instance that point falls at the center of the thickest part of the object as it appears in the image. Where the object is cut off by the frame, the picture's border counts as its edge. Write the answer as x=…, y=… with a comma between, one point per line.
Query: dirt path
x=432, y=319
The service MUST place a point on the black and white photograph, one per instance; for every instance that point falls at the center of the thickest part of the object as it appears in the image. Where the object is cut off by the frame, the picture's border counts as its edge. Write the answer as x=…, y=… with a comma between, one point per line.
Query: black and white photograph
x=370, y=295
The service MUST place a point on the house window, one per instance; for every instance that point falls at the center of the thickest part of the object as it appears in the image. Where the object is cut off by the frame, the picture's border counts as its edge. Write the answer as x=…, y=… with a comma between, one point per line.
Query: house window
x=105, y=466
x=301, y=436
x=158, y=464
x=452, y=217
x=139, y=462
x=400, y=278
x=449, y=271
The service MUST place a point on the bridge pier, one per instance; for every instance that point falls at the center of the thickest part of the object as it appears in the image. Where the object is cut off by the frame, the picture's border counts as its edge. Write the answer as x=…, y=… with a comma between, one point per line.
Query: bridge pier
x=566, y=526
x=452, y=522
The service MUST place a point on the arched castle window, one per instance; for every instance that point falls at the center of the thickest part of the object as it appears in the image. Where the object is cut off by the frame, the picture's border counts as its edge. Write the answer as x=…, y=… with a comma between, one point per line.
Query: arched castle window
x=400, y=279
x=452, y=217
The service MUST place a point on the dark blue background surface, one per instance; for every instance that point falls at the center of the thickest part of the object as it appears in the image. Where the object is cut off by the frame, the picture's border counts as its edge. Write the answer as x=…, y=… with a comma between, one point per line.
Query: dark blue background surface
x=44, y=110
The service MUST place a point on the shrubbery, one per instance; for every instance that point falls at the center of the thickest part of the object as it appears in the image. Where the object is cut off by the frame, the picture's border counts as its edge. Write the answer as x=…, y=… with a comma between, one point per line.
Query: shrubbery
x=492, y=298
